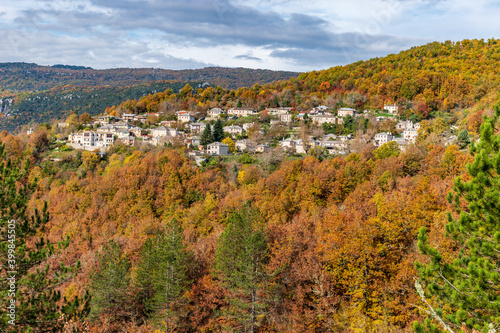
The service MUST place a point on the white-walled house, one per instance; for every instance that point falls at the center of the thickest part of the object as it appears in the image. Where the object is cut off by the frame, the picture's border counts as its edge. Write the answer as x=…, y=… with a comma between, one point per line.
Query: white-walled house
x=122, y=133
x=142, y=118
x=381, y=138
x=193, y=141
x=344, y=112
x=122, y=124
x=324, y=119
x=285, y=117
x=241, y=112
x=246, y=126
x=106, y=128
x=217, y=148
x=321, y=108
x=274, y=111
x=402, y=143
x=287, y=143
x=391, y=108
x=197, y=127
x=331, y=137
x=161, y=131
x=137, y=131
x=185, y=117
x=90, y=140
x=103, y=120
x=404, y=125
x=411, y=135
x=169, y=123
x=262, y=148
x=128, y=117
x=214, y=113
x=301, y=147
x=244, y=144
x=233, y=130
x=335, y=147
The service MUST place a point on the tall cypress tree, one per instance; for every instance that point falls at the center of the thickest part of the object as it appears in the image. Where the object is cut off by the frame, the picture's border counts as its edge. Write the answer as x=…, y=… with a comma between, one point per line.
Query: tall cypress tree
x=240, y=263
x=162, y=273
x=467, y=288
x=206, y=137
x=218, y=131
x=28, y=295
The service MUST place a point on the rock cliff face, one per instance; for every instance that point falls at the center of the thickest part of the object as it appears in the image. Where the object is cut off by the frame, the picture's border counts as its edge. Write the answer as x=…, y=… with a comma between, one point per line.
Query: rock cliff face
x=5, y=105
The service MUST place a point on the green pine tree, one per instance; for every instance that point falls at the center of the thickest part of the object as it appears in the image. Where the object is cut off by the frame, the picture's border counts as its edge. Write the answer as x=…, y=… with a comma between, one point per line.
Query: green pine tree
x=162, y=273
x=206, y=137
x=463, y=139
x=26, y=280
x=218, y=132
x=109, y=283
x=240, y=263
x=467, y=288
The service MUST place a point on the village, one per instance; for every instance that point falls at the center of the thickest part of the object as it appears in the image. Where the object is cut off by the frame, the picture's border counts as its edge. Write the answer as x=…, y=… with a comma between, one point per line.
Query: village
x=319, y=130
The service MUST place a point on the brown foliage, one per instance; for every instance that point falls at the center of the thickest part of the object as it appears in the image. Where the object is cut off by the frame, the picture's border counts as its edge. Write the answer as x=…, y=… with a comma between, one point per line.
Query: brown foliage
x=13, y=145
x=39, y=139
x=342, y=231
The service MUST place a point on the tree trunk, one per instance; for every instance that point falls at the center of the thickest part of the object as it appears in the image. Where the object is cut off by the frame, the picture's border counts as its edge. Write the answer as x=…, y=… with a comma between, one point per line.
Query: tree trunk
x=253, y=312
x=166, y=316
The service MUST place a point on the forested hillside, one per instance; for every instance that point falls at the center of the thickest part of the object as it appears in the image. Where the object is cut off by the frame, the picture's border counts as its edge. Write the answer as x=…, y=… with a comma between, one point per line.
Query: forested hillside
x=339, y=235
x=58, y=102
x=33, y=77
x=33, y=93
x=383, y=239
x=436, y=78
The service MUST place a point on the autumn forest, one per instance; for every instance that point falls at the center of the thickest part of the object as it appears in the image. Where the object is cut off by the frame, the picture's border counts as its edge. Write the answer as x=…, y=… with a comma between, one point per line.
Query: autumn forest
x=142, y=239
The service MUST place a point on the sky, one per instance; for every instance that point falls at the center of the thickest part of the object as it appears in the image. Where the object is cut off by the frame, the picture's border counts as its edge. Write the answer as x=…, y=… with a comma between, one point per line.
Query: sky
x=295, y=35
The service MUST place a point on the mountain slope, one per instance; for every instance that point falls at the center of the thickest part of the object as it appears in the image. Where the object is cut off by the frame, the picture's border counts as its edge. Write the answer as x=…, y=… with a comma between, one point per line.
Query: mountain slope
x=434, y=77
x=422, y=80
x=441, y=75
x=33, y=93
x=32, y=77
x=57, y=103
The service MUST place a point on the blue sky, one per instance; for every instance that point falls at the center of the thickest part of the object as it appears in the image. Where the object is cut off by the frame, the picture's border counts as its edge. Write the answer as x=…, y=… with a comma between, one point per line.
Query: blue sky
x=282, y=34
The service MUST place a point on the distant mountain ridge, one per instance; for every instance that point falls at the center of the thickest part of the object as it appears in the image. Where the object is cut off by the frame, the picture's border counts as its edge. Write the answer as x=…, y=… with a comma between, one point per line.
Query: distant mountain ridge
x=35, y=93
x=58, y=102
x=23, y=77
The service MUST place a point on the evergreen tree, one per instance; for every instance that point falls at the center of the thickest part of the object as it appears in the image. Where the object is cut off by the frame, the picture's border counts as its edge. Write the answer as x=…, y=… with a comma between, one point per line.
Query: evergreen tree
x=28, y=295
x=218, y=131
x=349, y=126
x=467, y=287
x=206, y=137
x=162, y=273
x=109, y=283
x=463, y=139
x=240, y=261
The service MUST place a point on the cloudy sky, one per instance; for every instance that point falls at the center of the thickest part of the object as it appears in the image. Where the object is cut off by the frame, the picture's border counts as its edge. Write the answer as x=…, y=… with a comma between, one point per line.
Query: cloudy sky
x=274, y=34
